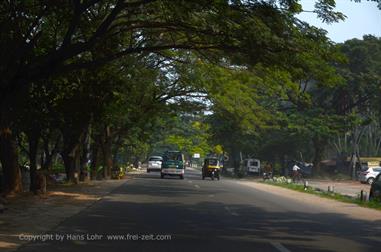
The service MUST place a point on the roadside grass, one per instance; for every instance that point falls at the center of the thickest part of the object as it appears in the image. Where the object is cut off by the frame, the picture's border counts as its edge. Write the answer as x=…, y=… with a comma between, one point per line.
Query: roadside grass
x=328, y=195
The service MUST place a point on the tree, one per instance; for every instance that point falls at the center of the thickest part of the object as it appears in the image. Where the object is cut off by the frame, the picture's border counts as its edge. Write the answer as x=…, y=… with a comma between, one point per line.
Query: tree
x=40, y=39
x=359, y=98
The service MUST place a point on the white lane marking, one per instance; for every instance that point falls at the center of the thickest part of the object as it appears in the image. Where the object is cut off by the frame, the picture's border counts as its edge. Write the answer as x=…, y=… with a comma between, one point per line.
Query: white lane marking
x=197, y=186
x=211, y=195
x=231, y=211
x=190, y=181
x=279, y=247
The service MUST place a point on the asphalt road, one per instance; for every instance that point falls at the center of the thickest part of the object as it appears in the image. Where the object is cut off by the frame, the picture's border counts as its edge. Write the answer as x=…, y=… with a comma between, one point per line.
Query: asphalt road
x=206, y=215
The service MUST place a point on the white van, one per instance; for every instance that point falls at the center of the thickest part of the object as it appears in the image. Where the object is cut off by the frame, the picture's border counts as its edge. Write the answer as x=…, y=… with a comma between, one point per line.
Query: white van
x=252, y=165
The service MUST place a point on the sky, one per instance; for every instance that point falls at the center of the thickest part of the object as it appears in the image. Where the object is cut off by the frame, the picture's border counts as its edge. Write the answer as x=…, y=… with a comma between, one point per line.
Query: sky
x=362, y=18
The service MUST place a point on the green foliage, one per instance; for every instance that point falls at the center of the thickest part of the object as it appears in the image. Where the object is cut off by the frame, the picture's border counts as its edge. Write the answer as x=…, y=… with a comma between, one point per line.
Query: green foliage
x=127, y=75
x=186, y=133
x=359, y=99
x=362, y=73
x=325, y=11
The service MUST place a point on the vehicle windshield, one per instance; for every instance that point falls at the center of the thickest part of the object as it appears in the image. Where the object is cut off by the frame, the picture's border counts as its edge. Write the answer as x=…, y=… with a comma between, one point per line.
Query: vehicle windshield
x=254, y=163
x=173, y=156
x=212, y=161
x=155, y=159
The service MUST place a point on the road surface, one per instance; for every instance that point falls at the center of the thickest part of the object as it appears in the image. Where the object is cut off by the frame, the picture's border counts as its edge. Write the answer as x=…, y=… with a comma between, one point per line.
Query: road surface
x=196, y=215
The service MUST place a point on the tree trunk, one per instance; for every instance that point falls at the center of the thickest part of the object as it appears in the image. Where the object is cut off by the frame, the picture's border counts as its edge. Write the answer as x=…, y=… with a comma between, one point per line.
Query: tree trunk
x=68, y=163
x=9, y=161
x=83, y=166
x=236, y=160
x=356, y=137
x=71, y=163
x=117, y=145
x=107, y=153
x=47, y=162
x=84, y=155
x=107, y=160
x=71, y=153
x=33, y=147
x=284, y=169
x=319, y=147
x=115, y=162
x=94, y=160
x=69, y=158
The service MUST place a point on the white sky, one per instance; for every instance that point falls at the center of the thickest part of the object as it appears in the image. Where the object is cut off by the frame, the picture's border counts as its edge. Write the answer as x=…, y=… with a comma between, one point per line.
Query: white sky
x=362, y=18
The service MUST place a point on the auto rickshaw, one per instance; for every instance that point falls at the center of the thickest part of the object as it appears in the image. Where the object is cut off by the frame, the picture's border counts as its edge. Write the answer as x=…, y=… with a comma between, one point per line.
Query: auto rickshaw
x=211, y=168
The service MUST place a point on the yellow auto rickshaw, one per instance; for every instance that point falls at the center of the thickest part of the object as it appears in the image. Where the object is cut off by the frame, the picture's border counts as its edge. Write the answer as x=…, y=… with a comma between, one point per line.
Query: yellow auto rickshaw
x=211, y=168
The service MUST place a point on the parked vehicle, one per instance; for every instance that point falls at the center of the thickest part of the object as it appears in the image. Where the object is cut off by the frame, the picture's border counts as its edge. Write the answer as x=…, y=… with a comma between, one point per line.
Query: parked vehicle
x=211, y=168
x=252, y=165
x=173, y=164
x=369, y=174
x=154, y=163
x=375, y=189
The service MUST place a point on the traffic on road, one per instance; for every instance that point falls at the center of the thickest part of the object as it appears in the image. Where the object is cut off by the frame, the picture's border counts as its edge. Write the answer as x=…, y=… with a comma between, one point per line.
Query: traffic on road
x=149, y=213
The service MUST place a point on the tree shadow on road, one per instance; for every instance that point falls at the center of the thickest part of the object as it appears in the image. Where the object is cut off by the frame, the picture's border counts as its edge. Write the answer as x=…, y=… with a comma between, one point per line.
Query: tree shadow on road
x=214, y=226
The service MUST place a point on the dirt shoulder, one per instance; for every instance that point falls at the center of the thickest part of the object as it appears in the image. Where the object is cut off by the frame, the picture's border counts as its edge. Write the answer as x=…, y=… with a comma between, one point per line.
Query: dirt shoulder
x=349, y=188
x=346, y=187
x=327, y=205
x=29, y=214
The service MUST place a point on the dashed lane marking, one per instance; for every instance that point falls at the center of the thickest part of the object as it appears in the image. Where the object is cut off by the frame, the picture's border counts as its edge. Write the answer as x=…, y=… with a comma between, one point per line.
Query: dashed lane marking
x=279, y=247
x=230, y=211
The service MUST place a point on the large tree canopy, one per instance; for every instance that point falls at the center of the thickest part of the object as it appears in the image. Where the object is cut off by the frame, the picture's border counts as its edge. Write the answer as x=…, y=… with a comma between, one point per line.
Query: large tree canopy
x=40, y=38
x=102, y=74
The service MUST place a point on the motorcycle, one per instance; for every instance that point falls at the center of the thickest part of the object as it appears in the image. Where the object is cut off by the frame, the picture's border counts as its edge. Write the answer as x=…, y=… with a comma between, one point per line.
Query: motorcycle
x=267, y=176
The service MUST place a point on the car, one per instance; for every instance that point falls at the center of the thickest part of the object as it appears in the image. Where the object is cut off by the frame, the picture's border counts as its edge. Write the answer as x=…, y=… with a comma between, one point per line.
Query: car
x=375, y=189
x=154, y=163
x=369, y=174
x=173, y=164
